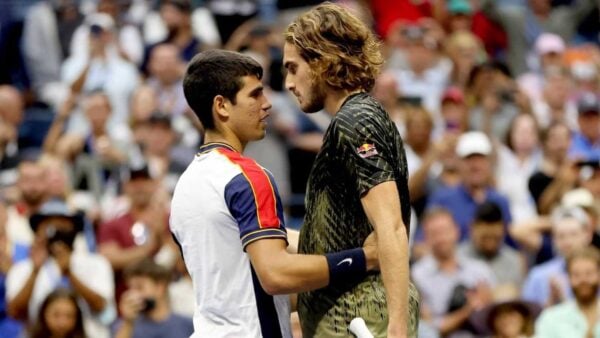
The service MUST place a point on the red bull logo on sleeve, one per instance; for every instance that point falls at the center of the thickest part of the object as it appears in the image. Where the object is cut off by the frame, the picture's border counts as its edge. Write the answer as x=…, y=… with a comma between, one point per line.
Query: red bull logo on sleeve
x=367, y=150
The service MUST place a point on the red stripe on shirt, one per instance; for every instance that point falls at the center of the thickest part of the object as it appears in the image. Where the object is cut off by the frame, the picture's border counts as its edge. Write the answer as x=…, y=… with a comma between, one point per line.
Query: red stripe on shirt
x=264, y=193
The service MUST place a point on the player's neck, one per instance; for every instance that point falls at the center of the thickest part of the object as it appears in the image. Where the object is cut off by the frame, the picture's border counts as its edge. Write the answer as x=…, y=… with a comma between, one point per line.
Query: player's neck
x=335, y=99
x=212, y=136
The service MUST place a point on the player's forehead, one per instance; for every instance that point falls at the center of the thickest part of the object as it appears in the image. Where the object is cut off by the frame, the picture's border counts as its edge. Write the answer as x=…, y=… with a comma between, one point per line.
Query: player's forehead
x=290, y=55
x=250, y=83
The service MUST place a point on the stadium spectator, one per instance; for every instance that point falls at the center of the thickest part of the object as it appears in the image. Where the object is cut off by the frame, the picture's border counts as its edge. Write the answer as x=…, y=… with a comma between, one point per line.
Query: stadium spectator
x=59, y=316
x=53, y=263
x=451, y=286
x=145, y=305
x=474, y=150
x=577, y=317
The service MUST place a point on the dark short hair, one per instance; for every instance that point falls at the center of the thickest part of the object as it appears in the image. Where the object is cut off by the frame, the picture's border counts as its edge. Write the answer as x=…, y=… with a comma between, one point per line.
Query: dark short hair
x=147, y=268
x=182, y=5
x=488, y=213
x=212, y=73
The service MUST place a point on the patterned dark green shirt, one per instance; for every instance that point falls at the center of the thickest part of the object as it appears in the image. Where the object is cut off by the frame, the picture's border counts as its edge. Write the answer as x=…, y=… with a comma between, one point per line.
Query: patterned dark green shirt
x=362, y=148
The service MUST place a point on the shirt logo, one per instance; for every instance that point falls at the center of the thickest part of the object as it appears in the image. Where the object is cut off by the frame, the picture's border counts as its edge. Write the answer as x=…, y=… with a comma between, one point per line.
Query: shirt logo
x=346, y=260
x=367, y=150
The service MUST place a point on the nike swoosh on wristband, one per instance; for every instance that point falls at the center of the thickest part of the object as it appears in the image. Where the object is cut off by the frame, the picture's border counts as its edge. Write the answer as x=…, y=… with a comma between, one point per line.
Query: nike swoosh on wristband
x=346, y=260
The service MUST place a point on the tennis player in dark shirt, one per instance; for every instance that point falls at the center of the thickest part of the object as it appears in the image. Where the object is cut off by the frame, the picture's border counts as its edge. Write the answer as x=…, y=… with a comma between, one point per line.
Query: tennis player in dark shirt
x=359, y=179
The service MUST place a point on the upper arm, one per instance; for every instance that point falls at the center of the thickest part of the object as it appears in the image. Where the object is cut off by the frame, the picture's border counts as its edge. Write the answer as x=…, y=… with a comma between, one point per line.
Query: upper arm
x=382, y=206
x=265, y=253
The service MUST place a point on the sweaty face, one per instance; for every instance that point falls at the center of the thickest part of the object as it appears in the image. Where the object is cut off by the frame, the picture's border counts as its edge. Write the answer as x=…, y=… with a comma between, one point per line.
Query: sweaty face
x=584, y=278
x=299, y=81
x=247, y=117
x=61, y=317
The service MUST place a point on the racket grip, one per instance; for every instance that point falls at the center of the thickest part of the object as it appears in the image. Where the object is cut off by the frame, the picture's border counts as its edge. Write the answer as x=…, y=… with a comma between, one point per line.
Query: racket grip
x=359, y=328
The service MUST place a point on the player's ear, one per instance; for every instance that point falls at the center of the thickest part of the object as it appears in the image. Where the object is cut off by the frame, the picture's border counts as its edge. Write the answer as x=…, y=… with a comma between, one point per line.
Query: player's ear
x=221, y=107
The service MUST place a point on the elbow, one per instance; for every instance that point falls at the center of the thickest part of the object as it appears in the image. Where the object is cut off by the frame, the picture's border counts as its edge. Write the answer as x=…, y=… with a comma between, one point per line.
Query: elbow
x=273, y=283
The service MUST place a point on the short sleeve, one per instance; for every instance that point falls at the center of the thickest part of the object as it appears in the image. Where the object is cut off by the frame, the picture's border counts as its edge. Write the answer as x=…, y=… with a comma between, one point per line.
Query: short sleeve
x=253, y=200
x=362, y=143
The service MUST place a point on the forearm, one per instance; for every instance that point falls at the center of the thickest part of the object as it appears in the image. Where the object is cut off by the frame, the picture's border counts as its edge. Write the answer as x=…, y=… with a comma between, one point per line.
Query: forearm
x=418, y=180
x=125, y=330
x=19, y=305
x=96, y=302
x=393, y=262
x=529, y=234
x=454, y=320
x=296, y=273
x=552, y=195
x=120, y=258
x=53, y=135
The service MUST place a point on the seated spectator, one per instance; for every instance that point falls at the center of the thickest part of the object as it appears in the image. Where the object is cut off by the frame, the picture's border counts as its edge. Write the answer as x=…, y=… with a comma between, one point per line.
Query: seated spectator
x=522, y=27
x=507, y=319
x=518, y=158
x=486, y=244
x=32, y=188
x=474, y=149
x=47, y=33
x=451, y=286
x=103, y=69
x=10, y=253
x=145, y=308
x=547, y=284
x=496, y=99
x=97, y=153
x=556, y=174
x=577, y=317
x=140, y=232
x=11, y=116
x=53, y=264
x=59, y=317
x=585, y=144
x=176, y=15
x=166, y=69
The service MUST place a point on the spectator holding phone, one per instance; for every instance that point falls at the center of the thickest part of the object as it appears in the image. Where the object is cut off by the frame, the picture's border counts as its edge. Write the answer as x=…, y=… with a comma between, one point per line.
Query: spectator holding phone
x=53, y=264
x=145, y=309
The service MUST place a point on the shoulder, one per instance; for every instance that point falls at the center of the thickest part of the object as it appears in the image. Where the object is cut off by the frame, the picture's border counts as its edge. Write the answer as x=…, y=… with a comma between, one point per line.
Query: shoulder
x=360, y=108
x=555, y=312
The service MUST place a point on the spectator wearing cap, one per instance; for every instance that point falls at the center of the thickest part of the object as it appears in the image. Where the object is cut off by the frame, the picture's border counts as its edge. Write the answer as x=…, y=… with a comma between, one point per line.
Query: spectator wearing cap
x=585, y=144
x=454, y=112
x=547, y=283
x=577, y=317
x=474, y=150
x=549, y=50
x=523, y=27
x=53, y=263
x=486, y=244
x=466, y=16
x=451, y=286
x=128, y=40
x=519, y=156
x=47, y=32
x=140, y=232
x=102, y=69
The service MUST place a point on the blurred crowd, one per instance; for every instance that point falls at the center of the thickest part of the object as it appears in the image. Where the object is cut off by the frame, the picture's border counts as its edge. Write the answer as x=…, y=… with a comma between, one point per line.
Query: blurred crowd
x=498, y=103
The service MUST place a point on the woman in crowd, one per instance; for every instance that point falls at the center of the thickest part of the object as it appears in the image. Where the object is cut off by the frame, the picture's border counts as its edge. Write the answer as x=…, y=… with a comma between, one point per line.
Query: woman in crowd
x=59, y=317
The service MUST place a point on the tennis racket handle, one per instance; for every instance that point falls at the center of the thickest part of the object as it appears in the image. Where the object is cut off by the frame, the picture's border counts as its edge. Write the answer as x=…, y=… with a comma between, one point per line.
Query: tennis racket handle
x=359, y=328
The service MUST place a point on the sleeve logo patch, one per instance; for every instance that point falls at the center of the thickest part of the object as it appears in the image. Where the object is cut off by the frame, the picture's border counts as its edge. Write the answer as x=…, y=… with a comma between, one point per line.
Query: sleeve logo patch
x=367, y=150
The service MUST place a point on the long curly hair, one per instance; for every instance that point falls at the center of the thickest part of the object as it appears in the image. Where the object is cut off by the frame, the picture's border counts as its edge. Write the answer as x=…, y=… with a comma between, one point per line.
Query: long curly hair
x=339, y=48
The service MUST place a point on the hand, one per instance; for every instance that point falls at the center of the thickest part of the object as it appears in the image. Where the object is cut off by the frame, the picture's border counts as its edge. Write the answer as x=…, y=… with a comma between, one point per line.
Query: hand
x=556, y=292
x=38, y=253
x=568, y=173
x=479, y=297
x=102, y=146
x=62, y=255
x=131, y=305
x=371, y=253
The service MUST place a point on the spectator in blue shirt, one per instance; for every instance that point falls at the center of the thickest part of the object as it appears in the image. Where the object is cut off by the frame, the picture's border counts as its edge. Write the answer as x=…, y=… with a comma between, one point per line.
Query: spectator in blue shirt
x=585, y=144
x=474, y=149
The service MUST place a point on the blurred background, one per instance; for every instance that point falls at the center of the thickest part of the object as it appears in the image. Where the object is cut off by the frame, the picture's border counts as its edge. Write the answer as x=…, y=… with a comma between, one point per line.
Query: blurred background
x=498, y=103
